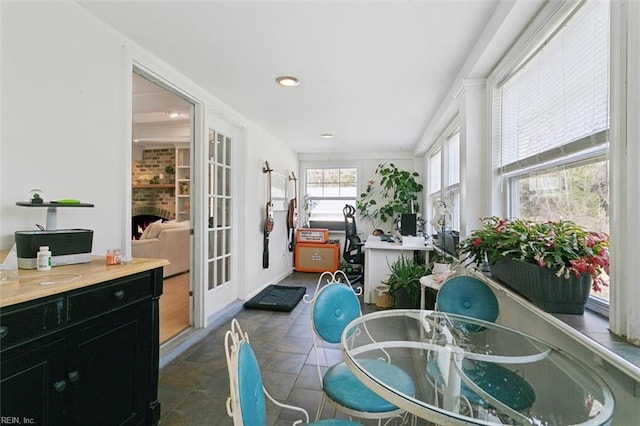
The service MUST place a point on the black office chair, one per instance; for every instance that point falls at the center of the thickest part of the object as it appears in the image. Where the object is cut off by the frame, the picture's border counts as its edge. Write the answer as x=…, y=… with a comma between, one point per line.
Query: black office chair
x=353, y=252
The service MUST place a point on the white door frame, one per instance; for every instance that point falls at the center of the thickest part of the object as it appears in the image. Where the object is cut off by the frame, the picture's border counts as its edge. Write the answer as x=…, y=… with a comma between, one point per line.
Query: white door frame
x=196, y=318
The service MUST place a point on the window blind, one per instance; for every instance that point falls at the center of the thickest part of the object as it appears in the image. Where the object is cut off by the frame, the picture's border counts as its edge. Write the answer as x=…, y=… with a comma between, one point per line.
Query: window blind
x=559, y=98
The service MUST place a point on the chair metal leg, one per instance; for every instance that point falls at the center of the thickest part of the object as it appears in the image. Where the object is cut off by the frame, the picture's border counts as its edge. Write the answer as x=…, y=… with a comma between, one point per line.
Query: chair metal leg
x=321, y=404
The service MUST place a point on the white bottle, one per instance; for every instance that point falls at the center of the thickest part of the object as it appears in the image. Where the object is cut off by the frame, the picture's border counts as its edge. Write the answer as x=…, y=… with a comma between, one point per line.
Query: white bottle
x=44, y=259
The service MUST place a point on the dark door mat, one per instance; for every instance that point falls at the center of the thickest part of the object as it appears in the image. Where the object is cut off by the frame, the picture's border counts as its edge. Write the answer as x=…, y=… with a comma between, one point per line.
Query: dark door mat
x=277, y=298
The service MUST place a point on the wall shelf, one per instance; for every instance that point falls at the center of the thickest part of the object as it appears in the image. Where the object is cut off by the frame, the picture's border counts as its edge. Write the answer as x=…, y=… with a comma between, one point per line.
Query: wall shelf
x=183, y=183
x=52, y=210
x=154, y=185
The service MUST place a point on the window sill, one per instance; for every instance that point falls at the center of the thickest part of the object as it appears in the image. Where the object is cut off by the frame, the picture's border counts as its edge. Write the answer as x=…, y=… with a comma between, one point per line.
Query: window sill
x=330, y=225
x=596, y=328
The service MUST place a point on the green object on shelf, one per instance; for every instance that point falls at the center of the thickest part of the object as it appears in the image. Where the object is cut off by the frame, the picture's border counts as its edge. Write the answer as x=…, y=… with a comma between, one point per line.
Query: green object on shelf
x=67, y=201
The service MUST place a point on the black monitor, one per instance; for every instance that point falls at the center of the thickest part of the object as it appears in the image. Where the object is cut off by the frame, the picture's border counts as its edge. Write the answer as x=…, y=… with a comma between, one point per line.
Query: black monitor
x=449, y=244
x=408, y=224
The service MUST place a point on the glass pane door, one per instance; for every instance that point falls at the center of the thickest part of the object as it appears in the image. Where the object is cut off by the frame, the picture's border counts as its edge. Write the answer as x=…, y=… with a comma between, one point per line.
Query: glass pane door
x=219, y=209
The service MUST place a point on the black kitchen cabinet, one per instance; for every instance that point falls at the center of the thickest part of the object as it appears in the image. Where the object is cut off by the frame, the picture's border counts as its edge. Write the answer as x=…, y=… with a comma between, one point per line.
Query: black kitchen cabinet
x=87, y=356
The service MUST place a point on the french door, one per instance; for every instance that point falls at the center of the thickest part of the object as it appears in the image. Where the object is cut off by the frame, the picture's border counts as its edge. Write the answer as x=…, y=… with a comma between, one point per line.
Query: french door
x=221, y=236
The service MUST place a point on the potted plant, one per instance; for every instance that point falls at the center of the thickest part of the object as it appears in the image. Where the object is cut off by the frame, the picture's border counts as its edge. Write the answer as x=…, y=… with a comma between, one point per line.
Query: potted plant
x=170, y=171
x=307, y=206
x=564, y=259
x=441, y=263
x=441, y=220
x=367, y=206
x=398, y=188
x=404, y=281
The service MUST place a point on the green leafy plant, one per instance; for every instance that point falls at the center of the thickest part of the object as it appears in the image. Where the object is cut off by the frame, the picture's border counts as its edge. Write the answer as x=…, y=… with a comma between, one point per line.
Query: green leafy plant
x=562, y=246
x=367, y=206
x=398, y=188
x=438, y=257
x=405, y=273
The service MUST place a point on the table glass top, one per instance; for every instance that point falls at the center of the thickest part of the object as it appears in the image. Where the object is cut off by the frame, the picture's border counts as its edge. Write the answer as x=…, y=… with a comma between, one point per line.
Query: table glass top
x=470, y=371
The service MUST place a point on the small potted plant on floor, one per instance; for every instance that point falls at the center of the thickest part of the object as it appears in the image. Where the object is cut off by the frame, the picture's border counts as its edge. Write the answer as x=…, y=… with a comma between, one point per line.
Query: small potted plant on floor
x=404, y=281
x=553, y=264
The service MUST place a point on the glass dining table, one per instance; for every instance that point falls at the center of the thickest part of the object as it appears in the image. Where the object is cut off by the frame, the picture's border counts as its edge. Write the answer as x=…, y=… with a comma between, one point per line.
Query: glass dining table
x=469, y=371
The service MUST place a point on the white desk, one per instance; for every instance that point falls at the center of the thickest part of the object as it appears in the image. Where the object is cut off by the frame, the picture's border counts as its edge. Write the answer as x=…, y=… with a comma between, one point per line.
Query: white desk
x=378, y=256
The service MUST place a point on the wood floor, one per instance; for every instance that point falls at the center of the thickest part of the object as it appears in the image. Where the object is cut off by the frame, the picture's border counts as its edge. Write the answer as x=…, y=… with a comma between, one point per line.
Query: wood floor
x=174, y=306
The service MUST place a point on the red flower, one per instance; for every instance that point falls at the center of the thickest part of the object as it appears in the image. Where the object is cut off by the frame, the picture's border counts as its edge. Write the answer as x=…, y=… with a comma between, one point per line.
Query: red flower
x=561, y=246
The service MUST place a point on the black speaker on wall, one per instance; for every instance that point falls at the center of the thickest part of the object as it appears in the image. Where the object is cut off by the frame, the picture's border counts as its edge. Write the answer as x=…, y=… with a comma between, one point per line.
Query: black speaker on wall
x=408, y=223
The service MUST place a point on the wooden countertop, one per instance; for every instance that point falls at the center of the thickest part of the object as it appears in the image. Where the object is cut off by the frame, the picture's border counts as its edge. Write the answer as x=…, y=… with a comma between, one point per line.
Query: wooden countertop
x=70, y=277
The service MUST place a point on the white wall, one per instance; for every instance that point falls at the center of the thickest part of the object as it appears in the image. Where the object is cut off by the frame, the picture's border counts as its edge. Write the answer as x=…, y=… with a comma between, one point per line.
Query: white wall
x=282, y=161
x=65, y=94
x=61, y=89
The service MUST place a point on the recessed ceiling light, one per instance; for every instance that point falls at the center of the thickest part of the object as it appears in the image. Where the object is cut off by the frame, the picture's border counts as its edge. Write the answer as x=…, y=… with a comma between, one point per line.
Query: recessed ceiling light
x=174, y=114
x=327, y=136
x=288, y=81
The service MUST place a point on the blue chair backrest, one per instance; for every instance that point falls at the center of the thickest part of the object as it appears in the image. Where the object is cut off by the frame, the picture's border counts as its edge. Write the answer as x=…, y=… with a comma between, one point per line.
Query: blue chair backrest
x=252, y=402
x=468, y=296
x=335, y=306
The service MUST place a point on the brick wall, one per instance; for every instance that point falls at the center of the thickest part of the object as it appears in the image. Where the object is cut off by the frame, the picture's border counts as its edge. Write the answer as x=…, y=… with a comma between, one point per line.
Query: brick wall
x=153, y=164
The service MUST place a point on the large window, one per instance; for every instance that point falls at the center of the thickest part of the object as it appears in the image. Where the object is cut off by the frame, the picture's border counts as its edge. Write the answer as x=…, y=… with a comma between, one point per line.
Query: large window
x=327, y=192
x=452, y=181
x=551, y=125
x=444, y=184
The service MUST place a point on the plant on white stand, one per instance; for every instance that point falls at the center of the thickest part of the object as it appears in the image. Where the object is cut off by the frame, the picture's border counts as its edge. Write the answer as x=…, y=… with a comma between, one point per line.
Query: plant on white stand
x=442, y=215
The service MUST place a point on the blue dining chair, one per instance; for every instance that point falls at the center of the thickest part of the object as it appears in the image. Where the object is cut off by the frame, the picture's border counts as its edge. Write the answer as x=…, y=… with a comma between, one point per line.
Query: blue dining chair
x=246, y=404
x=469, y=296
x=333, y=307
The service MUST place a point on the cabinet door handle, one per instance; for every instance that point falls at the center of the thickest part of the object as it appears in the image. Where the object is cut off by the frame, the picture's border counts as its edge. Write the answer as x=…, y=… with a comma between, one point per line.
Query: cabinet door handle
x=73, y=376
x=4, y=331
x=119, y=294
x=60, y=386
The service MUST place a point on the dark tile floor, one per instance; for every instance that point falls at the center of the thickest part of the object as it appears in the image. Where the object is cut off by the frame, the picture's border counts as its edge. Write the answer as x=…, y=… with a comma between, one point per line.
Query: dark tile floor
x=194, y=387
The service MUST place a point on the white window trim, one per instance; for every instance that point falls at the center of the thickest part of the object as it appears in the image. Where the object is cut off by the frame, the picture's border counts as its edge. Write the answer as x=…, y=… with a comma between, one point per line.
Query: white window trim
x=625, y=156
x=306, y=165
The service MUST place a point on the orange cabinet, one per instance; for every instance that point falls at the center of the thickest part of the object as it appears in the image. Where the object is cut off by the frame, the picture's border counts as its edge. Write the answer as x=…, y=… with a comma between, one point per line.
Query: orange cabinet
x=311, y=257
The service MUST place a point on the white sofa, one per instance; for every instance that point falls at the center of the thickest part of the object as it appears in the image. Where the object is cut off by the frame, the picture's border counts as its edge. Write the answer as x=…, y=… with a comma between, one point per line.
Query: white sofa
x=170, y=240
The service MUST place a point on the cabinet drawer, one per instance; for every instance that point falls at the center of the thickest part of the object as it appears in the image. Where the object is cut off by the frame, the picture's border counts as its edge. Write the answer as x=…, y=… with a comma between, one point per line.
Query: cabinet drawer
x=18, y=325
x=109, y=297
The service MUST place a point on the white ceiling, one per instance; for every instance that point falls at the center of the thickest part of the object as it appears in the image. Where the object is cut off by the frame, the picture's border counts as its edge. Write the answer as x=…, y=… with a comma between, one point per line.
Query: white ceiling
x=154, y=108
x=373, y=73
